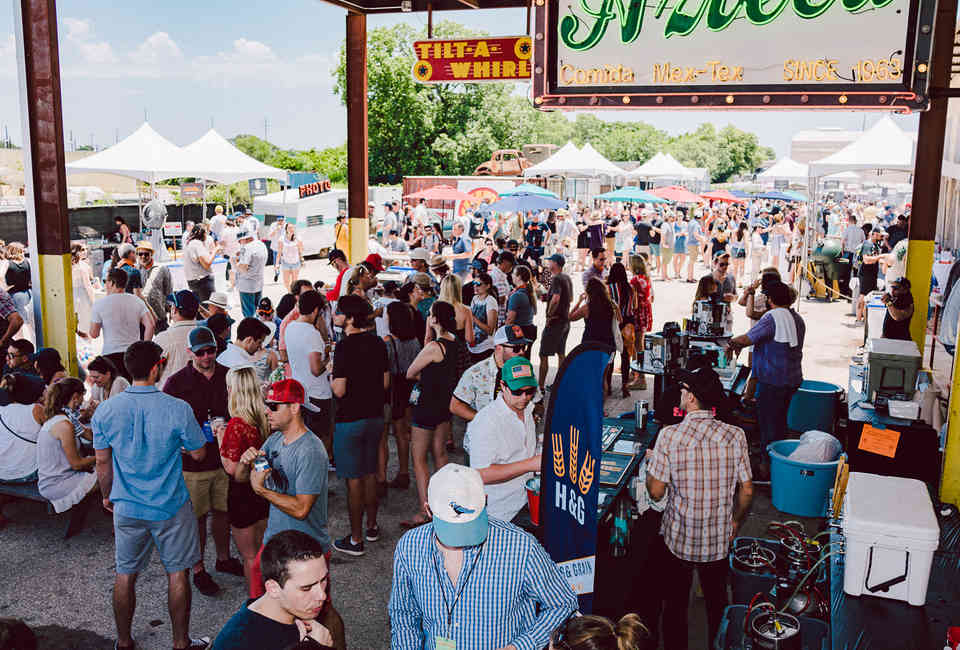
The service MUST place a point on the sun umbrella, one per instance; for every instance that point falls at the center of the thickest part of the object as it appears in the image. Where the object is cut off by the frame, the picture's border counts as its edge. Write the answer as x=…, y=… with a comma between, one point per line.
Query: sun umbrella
x=797, y=196
x=677, y=194
x=722, y=195
x=775, y=195
x=524, y=203
x=529, y=188
x=632, y=195
x=442, y=193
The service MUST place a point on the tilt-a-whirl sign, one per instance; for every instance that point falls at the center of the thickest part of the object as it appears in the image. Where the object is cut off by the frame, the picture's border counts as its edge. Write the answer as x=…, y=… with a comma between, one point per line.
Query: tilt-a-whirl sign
x=732, y=53
x=473, y=59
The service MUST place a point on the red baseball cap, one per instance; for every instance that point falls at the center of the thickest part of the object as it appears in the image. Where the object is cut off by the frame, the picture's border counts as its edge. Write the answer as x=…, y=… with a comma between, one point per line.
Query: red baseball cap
x=375, y=261
x=288, y=391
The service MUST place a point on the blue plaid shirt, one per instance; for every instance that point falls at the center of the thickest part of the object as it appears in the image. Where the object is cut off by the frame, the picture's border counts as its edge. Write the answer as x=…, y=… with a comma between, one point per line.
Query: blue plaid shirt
x=514, y=595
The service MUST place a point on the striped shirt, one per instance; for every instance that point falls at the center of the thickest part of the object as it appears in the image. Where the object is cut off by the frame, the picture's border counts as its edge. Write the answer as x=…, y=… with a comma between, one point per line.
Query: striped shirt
x=514, y=594
x=702, y=459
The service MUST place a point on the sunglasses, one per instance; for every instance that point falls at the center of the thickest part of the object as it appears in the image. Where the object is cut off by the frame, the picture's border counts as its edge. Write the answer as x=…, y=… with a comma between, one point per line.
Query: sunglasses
x=530, y=391
x=206, y=352
x=274, y=406
x=144, y=254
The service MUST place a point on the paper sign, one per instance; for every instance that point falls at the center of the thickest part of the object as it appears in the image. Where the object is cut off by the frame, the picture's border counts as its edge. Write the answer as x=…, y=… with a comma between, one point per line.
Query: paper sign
x=579, y=573
x=879, y=441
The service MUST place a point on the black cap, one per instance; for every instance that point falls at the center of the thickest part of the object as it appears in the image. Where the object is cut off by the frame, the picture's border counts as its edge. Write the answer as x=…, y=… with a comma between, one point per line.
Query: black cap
x=705, y=384
x=184, y=300
x=219, y=322
x=336, y=254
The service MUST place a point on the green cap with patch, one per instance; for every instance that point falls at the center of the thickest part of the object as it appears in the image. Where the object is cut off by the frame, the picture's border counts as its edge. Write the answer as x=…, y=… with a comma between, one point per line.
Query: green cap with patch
x=518, y=373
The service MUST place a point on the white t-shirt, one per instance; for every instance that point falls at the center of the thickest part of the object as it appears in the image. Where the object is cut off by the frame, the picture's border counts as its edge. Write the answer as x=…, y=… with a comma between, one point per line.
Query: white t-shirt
x=217, y=223
x=234, y=356
x=382, y=322
x=18, y=457
x=253, y=254
x=192, y=269
x=119, y=385
x=302, y=339
x=228, y=240
x=119, y=315
x=252, y=225
x=420, y=215
x=497, y=437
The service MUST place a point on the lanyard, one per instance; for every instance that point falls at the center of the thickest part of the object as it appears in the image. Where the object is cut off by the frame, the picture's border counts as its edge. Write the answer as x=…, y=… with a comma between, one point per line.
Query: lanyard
x=463, y=587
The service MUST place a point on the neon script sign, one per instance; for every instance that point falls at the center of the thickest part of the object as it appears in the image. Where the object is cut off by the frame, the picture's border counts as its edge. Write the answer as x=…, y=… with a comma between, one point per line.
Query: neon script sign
x=630, y=13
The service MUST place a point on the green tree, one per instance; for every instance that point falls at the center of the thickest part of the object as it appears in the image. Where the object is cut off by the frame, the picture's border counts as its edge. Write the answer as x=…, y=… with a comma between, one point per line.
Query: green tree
x=254, y=147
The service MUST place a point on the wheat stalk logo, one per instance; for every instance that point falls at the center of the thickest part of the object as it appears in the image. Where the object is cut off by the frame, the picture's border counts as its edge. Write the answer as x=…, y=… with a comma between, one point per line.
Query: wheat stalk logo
x=586, y=473
x=574, y=447
x=558, y=466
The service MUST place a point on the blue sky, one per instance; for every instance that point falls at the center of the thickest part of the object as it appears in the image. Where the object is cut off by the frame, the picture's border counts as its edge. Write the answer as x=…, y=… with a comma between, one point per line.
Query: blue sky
x=187, y=63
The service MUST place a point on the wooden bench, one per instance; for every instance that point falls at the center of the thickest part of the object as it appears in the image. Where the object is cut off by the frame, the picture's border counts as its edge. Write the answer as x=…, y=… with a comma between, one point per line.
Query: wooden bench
x=77, y=514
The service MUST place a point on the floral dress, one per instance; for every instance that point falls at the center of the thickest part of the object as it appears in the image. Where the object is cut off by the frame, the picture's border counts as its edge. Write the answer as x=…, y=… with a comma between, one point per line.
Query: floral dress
x=644, y=310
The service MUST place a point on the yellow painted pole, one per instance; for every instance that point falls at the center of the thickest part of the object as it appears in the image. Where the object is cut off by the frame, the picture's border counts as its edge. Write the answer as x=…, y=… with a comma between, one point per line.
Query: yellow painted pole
x=919, y=270
x=950, y=479
x=59, y=316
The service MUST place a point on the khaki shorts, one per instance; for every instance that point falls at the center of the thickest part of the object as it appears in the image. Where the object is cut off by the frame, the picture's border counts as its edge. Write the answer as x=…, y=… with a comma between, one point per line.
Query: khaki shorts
x=208, y=490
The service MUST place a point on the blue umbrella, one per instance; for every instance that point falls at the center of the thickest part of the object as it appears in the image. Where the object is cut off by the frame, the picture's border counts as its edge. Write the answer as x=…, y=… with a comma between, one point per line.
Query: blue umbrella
x=631, y=194
x=740, y=194
x=775, y=195
x=524, y=203
x=797, y=196
x=529, y=188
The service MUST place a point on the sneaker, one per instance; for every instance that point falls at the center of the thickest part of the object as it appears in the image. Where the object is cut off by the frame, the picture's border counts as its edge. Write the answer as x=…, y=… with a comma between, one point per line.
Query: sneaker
x=346, y=545
x=197, y=644
x=231, y=565
x=205, y=584
x=400, y=482
x=373, y=534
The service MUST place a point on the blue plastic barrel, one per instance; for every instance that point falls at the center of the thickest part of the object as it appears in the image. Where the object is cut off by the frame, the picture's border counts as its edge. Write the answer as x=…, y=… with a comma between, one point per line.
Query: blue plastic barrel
x=814, y=406
x=799, y=488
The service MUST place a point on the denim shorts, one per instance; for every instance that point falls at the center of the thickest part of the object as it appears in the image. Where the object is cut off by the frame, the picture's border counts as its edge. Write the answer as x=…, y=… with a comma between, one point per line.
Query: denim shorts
x=355, y=446
x=177, y=539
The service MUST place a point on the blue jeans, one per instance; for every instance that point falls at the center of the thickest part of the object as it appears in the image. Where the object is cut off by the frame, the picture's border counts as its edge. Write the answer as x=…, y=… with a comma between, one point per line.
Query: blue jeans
x=249, y=303
x=773, y=402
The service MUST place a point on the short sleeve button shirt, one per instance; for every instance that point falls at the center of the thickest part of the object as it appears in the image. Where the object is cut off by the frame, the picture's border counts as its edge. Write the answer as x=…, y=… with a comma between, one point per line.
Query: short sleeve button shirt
x=702, y=460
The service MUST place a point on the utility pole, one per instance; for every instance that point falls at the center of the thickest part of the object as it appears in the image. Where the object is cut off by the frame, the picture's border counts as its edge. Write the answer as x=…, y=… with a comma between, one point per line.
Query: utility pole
x=73, y=144
x=266, y=125
x=116, y=136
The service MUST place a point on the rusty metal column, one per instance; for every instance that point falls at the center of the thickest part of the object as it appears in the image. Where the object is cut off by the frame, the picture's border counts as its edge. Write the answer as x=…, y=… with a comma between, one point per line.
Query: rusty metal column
x=358, y=175
x=928, y=170
x=48, y=227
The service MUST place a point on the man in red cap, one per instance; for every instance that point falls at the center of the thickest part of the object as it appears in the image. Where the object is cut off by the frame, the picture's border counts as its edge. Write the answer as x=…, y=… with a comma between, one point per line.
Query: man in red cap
x=294, y=480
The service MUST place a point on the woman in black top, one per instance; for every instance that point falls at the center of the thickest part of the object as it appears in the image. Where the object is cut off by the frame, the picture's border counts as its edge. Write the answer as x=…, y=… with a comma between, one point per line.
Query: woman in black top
x=599, y=313
x=899, y=302
x=435, y=368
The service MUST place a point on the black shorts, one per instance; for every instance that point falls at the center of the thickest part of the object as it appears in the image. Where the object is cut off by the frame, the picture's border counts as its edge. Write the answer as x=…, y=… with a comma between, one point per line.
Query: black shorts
x=554, y=339
x=868, y=284
x=244, y=507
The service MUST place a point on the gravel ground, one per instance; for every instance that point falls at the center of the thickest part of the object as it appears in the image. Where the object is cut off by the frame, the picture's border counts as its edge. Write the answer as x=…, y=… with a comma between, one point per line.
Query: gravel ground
x=61, y=588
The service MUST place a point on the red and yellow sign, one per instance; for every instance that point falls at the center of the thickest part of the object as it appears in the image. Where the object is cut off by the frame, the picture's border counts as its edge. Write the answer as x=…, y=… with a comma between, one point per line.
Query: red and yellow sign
x=473, y=59
x=480, y=193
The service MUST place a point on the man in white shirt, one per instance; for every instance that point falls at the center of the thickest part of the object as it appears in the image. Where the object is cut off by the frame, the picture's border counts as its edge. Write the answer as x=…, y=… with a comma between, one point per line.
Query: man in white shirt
x=251, y=332
x=250, y=262
x=503, y=443
x=420, y=216
x=308, y=354
x=229, y=244
x=175, y=339
x=119, y=315
x=389, y=222
x=218, y=221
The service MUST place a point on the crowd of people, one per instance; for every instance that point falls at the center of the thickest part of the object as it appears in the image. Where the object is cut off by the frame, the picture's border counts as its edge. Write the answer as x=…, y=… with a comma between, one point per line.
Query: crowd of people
x=189, y=421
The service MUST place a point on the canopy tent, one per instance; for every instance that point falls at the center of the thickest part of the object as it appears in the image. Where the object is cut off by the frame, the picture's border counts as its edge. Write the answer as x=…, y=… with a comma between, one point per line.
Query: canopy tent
x=442, y=193
x=221, y=161
x=631, y=195
x=724, y=196
x=592, y=159
x=144, y=154
x=523, y=202
x=776, y=195
x=797, y=196
x=883, y=146
x=740, y=194
x=529, y=188
x=786, y=169
x=677, y=194
x=662, y=165
x=564, y=159
x=843, y=177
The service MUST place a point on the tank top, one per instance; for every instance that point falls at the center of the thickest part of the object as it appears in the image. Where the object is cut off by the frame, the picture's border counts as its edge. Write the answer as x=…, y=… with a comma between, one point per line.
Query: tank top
x=53, y=467
x=599, y=327
x=290, y=255
x=438, y=379
x=896, y=329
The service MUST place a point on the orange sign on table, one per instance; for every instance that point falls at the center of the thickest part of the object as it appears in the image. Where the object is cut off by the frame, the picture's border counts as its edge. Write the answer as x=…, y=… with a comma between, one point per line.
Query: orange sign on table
x=879, y=441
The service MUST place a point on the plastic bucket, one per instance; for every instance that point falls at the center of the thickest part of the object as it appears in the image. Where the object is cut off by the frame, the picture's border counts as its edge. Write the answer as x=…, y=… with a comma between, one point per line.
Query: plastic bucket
x=533, y=500
x=799, y=488
x=814, y=406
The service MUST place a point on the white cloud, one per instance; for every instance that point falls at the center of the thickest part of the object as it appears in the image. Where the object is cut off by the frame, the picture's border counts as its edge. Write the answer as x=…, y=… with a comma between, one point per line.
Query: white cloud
x=158, y=49
x=80, y=36
x=252, y=51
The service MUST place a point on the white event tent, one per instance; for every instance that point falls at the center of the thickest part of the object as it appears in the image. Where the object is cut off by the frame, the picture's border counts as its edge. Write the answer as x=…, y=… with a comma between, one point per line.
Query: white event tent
x=593, y=160
x=662, y=165
x=786, y=169
x=221, y=161
x=884, y=146
x=144, y=154
x=559, y=164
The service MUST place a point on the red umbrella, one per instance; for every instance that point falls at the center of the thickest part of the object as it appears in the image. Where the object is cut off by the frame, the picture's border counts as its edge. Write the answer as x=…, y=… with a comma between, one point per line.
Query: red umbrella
x=677, y=194
x=442, y=193
x=722, y=195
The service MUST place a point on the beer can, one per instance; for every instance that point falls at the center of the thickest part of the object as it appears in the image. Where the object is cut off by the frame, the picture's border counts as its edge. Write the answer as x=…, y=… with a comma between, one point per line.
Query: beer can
x=640, y=412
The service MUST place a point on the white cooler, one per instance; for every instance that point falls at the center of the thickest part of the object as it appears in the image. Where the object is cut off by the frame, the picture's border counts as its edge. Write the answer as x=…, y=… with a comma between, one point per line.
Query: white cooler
x=891, y=533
